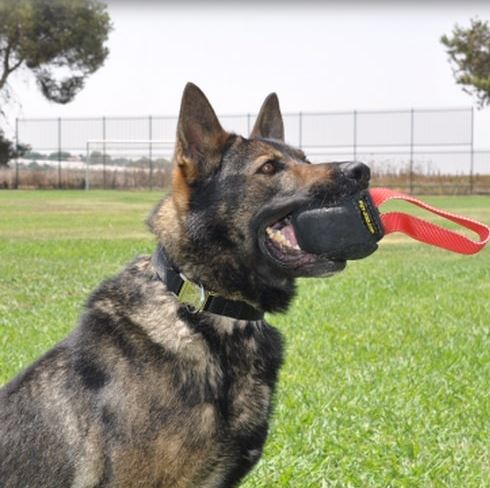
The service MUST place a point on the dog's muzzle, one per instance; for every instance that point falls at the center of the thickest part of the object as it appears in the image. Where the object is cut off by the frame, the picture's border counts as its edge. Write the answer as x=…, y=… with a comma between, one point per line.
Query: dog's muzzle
x=349, y=230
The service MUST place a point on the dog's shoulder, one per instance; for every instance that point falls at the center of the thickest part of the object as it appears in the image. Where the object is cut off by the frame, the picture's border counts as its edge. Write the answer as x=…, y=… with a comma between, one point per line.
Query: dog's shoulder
x=135, y=315
x=136, y=304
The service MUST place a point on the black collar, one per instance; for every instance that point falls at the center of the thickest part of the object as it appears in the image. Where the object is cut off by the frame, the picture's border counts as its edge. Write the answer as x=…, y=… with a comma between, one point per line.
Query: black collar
x=195, y=296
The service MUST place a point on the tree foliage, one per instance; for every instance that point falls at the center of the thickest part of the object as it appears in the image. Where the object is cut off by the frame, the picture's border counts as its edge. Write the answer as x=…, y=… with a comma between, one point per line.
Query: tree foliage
x=9, y=150
x=61, y=42
x=469, y=55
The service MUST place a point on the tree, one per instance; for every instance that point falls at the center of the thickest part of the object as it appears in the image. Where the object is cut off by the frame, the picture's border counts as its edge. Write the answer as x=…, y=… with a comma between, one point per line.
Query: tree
x=34, y=155
x=469, y=54
x=59, y=155
x=10, y=151
x=61, y=42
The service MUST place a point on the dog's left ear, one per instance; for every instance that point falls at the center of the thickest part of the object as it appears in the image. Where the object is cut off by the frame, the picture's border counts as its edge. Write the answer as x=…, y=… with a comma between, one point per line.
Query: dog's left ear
x=269, y=123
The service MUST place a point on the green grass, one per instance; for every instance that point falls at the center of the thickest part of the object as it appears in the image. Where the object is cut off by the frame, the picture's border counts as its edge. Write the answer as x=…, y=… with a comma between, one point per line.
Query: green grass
x=387, y=376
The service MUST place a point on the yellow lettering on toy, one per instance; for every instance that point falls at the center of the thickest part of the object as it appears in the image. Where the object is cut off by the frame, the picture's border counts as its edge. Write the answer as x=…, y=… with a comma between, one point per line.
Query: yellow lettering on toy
x=366, y=217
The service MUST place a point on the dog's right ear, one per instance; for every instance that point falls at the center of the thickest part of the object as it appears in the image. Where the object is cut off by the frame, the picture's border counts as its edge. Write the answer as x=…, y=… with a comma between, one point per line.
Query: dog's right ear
x=269, y=124
x=200, y=137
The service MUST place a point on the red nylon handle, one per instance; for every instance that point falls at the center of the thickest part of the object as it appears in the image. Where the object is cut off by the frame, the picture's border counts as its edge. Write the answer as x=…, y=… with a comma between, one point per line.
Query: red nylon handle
x=427, y=232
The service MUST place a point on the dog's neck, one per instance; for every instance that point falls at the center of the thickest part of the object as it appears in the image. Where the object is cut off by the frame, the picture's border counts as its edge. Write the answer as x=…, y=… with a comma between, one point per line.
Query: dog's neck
x=202, y=264
x=195, y=296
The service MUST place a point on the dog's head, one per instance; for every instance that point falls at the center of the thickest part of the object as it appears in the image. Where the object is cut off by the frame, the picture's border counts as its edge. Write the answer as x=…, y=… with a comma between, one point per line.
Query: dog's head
x=227, y=223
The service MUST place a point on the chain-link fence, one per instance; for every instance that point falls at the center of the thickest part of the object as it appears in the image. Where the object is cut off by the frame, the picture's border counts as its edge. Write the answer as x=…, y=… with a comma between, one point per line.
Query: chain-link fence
x=421, y=151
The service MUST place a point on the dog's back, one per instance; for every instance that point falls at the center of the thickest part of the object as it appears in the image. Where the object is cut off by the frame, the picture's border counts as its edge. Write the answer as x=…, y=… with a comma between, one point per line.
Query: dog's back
x=34, y=407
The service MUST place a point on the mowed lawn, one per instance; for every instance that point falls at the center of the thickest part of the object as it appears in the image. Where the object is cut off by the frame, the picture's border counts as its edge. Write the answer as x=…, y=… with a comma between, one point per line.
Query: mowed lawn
x=387, y=376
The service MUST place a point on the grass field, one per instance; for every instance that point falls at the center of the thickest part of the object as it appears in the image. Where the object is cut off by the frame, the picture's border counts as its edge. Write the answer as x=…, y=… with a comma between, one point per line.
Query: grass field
x=387, y=377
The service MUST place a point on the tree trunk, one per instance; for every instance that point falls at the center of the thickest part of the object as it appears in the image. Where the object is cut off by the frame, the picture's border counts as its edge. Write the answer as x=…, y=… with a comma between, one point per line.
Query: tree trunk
x=7, y=69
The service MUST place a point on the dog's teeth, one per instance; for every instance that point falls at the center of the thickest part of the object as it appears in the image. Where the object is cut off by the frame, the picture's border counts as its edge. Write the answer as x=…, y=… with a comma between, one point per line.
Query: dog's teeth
x=273, y=233
x=281, y=239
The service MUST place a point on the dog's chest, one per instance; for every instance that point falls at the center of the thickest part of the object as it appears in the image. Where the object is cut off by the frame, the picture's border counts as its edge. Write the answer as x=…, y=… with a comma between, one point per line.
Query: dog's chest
x=240, y=377
x=200, y=419
x=239, y=371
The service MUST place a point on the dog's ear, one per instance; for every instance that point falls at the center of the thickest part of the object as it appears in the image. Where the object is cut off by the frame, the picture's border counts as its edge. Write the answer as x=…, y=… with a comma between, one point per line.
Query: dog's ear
x=269, y=123
x=200, y=137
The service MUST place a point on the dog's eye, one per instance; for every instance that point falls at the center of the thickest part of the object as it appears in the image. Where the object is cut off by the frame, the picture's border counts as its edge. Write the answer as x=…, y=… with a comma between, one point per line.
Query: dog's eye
x=268, y=168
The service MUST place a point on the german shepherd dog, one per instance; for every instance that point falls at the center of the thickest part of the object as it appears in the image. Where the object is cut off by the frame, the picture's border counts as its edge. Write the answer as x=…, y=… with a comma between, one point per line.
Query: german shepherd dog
x=168, y=379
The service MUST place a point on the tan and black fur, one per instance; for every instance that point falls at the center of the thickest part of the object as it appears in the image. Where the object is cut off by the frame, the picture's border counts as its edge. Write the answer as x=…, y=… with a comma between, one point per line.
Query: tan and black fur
x=144, y=392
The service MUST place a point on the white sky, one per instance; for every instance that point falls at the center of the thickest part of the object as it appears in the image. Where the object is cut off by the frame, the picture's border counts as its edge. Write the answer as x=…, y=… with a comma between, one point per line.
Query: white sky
x=317, y=57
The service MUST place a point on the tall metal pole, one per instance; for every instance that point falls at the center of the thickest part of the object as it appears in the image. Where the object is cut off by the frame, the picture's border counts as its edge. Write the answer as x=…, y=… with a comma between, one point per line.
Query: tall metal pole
x=248, y=124
x=354, y=135
x=16, y=184
x=104, y=149
x=472, y=150
x=87, y=173
x=411, y=149
x=150, y=149
x=59, y=152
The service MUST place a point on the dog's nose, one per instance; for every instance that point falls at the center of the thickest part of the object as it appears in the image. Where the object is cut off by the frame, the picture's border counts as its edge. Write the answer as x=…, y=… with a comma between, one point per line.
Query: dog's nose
x=357, y=172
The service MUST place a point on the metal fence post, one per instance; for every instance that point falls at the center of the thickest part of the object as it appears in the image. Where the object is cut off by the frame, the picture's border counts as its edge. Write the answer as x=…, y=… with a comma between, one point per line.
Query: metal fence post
x=354, y=135
x=472, y=151
x=87, y=171
x=150, y=148
x=104, y=149
x=16, y=183
x=412, y=120
x=59, y=152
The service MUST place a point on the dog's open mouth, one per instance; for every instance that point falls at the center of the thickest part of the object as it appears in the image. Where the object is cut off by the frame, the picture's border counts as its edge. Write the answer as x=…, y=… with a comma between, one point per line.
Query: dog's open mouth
x=280, y=243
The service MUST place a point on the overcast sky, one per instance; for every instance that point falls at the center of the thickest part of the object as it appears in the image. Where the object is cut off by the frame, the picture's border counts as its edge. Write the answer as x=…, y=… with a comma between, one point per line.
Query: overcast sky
x=316, y=56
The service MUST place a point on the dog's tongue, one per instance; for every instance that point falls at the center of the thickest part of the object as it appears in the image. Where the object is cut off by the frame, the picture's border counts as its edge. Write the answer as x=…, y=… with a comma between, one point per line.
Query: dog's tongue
x=290, y=235
x=348, y=230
